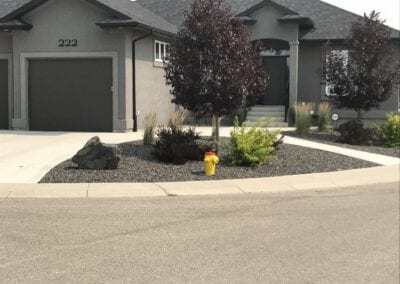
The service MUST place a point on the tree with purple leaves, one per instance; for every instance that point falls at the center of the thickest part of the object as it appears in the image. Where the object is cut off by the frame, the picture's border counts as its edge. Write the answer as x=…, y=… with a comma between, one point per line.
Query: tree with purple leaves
x=364, y=79
x=213, y=67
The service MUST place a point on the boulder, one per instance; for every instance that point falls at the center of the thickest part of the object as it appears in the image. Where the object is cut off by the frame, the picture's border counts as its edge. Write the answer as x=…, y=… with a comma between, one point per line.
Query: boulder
x=97, y=156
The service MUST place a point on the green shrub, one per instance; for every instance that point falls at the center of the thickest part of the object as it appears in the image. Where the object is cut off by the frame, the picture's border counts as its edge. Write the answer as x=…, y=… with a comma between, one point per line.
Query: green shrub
x=175, y=145
x=251, y=146
x=324, y=113
x=303, y=117
x=390, y=131
x=150, y=123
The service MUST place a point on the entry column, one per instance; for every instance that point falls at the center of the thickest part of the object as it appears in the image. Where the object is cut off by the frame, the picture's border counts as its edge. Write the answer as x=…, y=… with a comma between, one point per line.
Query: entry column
x=294, y=72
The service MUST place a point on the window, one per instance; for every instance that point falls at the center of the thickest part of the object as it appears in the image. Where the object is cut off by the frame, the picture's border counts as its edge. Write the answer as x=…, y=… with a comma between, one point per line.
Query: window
x=161, y=51
x=345, y=55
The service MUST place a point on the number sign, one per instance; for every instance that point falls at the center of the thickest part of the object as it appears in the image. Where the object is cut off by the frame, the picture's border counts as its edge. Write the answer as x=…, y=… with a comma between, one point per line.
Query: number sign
x=68, y=42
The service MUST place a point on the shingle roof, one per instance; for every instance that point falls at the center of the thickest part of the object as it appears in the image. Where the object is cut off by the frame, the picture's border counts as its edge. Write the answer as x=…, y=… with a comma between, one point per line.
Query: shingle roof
x=331, y=22
x=140, y=14
x=8, y=6
x=134, y=12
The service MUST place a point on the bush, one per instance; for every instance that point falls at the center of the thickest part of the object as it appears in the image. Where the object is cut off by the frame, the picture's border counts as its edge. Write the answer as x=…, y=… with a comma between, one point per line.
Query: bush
x=303, y=117
x=354, y=133
x=176, y=146
x=150, y=123
x=324, y=113
x=251, y=146
x=389, y=132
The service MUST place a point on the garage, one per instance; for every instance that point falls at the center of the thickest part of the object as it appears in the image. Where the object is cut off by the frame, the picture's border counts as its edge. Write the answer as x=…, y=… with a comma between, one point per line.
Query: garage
x=4, y=94
x=70, y=95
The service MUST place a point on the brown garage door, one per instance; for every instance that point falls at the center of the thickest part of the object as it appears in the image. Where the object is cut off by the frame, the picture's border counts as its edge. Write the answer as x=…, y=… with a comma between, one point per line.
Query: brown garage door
x=70, y=95
x=3, y=94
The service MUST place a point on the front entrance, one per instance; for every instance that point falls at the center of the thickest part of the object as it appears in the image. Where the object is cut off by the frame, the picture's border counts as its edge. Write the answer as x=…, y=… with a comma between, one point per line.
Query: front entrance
x=277, y=92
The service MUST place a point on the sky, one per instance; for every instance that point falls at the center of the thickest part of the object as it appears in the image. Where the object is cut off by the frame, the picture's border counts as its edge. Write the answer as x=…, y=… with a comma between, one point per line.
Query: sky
x=389, y=9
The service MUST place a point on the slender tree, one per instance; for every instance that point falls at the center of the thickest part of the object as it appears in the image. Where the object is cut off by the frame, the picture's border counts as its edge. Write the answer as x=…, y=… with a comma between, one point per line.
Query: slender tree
x=213, y=67
x=364, y=79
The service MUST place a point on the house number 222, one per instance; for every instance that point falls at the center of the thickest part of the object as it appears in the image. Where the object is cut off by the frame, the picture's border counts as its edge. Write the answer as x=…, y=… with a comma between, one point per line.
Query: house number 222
x=68, y=42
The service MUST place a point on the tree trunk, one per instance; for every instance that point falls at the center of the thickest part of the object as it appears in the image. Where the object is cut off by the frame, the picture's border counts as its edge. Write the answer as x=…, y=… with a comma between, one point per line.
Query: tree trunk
x=359, y=115
x=216, y=121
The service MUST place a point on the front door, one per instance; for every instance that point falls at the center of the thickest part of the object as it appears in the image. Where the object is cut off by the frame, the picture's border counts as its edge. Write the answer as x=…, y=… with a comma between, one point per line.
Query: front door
x=277, y=92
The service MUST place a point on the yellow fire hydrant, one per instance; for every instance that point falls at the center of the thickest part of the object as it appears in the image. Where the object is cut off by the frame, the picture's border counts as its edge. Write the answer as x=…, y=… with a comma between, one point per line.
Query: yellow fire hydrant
x=210, y=162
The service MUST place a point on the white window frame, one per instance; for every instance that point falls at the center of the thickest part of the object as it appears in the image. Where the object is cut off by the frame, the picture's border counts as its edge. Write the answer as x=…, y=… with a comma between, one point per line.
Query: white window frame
x=163, y=51
x=329, y=86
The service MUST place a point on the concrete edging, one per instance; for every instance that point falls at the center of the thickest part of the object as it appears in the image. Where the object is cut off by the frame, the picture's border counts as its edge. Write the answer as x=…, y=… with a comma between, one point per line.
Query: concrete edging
x=317, y=181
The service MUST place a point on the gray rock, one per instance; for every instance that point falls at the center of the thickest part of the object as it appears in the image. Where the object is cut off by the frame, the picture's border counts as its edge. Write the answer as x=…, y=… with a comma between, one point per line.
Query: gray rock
x=97, y=156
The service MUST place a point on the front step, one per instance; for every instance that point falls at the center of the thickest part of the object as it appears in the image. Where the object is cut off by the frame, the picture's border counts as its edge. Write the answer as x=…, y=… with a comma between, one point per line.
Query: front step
x=271, y=124
x=258, y=108
x=274, y=115
x=267, y=118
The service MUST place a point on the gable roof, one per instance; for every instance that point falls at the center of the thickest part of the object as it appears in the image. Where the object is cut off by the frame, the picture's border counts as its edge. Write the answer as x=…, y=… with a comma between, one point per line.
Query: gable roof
x=131, y=13
x=330, y=22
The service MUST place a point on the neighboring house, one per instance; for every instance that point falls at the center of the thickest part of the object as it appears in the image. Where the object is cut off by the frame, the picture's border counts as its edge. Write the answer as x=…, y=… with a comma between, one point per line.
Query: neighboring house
x=96, y=65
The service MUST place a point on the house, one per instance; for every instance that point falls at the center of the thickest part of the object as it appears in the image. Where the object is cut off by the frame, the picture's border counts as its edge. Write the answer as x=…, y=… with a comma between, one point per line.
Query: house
x=97, y=65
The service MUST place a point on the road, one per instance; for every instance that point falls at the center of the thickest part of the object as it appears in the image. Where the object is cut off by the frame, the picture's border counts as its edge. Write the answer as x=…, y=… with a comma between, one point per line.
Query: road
x=344, y=236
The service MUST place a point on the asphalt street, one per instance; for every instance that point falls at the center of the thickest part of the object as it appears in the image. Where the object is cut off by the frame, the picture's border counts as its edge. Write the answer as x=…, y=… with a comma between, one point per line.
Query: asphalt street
x=349, y=235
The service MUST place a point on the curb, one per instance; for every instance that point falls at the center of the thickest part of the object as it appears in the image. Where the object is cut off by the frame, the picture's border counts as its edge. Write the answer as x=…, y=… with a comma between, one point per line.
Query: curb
x=307, y=182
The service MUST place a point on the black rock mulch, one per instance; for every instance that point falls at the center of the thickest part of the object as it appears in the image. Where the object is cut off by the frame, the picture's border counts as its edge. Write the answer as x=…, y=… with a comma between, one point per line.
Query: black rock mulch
x=139, y=165
x=331, y=139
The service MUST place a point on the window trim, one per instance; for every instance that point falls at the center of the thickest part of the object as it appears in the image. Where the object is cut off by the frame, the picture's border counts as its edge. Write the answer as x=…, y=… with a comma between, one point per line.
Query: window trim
x=163, y=48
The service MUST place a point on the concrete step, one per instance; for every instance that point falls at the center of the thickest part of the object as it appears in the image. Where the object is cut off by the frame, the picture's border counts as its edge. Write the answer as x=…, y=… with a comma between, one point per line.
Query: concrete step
x=268, y=108
x=266, y=113
x=271, y=124
x=269, y=118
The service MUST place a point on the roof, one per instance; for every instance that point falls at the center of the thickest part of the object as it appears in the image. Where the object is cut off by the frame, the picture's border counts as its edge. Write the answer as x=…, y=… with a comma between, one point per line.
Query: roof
x=15, y=25
x=132, y=13
x=303, y=22
x=330, y=22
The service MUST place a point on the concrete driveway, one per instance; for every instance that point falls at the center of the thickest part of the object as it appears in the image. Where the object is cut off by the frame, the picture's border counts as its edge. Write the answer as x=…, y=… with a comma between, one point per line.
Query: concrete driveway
x=25, y=157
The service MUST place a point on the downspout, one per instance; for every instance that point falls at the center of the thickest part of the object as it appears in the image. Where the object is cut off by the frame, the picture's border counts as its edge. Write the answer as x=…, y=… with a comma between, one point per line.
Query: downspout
x=135, y=124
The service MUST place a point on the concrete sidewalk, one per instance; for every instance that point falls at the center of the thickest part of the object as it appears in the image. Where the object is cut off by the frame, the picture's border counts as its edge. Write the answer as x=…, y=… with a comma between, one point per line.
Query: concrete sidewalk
x=366, y=156
x=320, y=181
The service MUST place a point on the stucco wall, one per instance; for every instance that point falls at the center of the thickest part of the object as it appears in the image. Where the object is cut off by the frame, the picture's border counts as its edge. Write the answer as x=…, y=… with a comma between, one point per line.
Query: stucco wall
x=5, y=43
x=267, y=25
x=312, y=88
x=309, y=72
x=152, y=94
x=69, y=19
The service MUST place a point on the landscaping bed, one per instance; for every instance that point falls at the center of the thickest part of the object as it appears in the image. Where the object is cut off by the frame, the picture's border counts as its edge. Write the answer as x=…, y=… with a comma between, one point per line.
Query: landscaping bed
x=331, y=139
x=139, y=165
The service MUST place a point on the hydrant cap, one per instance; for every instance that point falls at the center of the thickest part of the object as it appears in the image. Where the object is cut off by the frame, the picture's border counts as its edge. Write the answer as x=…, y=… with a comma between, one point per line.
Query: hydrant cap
x=210, y=154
